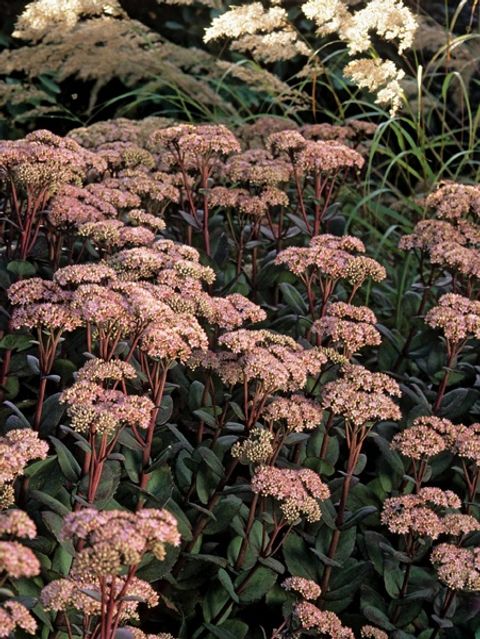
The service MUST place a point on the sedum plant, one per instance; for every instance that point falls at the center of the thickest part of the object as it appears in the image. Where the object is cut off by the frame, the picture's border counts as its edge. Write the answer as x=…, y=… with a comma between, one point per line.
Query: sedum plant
x=212, y=426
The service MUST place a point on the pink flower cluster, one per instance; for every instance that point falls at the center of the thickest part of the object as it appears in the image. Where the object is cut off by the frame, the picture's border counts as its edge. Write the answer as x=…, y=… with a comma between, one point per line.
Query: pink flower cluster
x=17, y=448
x=370, y=632
x=451, y=241
x=297, y=413
x=324, y=622
x=276, y=361
x=422, y=514
x=113, y=539
x=298, y=491
x=329, y=255
x=362, y=397
x=306, y=588
x=13, y=615
x=456, y=316
x=101, y=411
x=458, y=568
x=426, y=437
x=349, y=327
x=16, y=561
x=68, y=594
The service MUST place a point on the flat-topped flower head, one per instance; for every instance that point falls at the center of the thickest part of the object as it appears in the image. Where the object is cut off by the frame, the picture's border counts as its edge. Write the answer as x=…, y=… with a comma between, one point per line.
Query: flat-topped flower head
x=276, y=361
x=192, y=146
x=98, y=370
x=145, y=302
x=352, y=133
x=422, y=514
x=452, y=201
x=173, y=251
x=46, y=316
x=408, y=514
x=425, y=438
x=135, y=187
x=230, y=312
x=428, y=233
x=193, y=270
x=350, y=327
x=111, y=235
x=456, y=316
x=257, y=167
x=225, y=197
x=328, y=157
x=16, y=523
x=298, y=491
x=362, y=397
x=118, y=130
x=104, y=308
x=17, y=448
x=14, y=615
x=92, y=408
x=306, y=588
x=328, y=254
x=206, y=139
x=458, y=568
x=258, y=205
x=286, y=141
x=257, y=449
x=74, y=205
x=17, y=560
x=119, y=192
x=142, y=218
x=433, y=496
x=361, y=268
x=255, y=133
x=245, y=340
x=146, y=263
x=297, y=413
x=42, y=161
x=76, y=274
x=467, y=443
x=173, y=337
x=324, y=622
x=454, y=256
x=34, y=290
x=121, y=155
x=371, y=632
x=84, y=596
x=470, y=232
x=351, y=312
x=168, y=136
x=114, y=539
x=458, y=524
x=138, y=263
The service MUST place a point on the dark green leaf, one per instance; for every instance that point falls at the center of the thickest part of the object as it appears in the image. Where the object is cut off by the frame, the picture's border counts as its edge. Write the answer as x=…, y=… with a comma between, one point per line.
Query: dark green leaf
x=51, y=502
x=21, y=268
x=358, y=516
x=225, y=580
x=257, y=586
x=293, y=298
